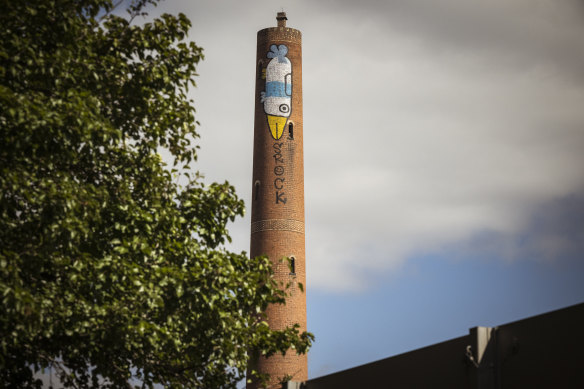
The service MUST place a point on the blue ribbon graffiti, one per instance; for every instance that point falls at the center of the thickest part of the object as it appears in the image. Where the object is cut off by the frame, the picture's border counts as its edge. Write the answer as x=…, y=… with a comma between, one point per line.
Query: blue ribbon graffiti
x=278, y=89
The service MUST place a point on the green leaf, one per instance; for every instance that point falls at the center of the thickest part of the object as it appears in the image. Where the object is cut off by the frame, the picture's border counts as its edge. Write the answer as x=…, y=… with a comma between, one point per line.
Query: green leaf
x=109, y=270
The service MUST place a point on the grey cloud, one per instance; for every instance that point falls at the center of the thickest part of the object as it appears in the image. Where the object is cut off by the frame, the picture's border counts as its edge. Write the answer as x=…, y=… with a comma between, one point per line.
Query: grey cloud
x=423, y=145
x=426, y=123
x=554, y=230
x=523, y=34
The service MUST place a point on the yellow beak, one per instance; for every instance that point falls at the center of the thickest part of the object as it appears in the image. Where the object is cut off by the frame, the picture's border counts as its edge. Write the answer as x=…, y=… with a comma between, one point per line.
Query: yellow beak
x=277, y=124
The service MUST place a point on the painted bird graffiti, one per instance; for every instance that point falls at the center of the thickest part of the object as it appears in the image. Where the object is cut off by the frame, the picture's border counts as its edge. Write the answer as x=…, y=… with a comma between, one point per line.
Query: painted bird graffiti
x=277, y=98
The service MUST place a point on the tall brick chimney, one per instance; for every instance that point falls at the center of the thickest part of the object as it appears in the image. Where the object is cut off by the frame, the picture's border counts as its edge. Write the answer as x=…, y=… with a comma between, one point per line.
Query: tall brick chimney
x=277, y=219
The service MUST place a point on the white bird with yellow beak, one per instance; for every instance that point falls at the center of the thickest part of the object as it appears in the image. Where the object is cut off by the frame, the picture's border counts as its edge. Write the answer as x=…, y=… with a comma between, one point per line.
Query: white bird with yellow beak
x=277, y=97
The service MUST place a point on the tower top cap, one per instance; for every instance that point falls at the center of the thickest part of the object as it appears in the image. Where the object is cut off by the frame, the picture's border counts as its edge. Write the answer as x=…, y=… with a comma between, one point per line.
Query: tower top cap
x=281, y=18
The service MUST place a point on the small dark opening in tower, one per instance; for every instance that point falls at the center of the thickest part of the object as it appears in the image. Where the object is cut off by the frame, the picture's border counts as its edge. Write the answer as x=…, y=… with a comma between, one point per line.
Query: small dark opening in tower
x=261, y=69
x=256, y=189
x=292, y=266
x=291, y=130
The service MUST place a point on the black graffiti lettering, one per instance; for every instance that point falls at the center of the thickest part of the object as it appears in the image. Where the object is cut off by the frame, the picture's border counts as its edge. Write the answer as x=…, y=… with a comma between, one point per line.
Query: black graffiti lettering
x=278, y=158
x=278, y=155
x=280, y=197
x=278, y=146
x=279, y=170
x=279, y=180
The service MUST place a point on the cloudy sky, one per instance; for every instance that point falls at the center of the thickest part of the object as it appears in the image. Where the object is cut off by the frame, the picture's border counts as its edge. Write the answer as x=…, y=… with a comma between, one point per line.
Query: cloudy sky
x=444, y=159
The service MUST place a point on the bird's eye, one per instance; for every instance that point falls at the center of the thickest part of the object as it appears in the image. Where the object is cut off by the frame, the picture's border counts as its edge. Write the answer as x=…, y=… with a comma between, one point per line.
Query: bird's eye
x=284, y=108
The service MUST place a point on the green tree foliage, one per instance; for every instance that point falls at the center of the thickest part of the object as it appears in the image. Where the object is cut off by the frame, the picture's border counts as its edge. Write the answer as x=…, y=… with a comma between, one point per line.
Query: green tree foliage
x=110, y=272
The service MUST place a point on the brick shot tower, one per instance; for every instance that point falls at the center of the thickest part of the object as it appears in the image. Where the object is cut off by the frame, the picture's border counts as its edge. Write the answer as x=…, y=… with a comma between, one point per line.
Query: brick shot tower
x=277, y=218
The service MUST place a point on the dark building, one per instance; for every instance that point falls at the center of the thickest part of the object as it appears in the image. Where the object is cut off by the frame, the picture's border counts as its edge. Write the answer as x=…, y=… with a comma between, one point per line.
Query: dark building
x=543, y=351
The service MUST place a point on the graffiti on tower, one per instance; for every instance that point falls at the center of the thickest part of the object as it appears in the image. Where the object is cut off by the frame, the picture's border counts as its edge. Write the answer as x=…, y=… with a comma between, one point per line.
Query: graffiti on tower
x=277, y=97
x=279, y=172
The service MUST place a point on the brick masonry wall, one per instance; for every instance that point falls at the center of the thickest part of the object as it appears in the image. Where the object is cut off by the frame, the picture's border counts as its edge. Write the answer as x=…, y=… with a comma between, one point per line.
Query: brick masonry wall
x=278, y=197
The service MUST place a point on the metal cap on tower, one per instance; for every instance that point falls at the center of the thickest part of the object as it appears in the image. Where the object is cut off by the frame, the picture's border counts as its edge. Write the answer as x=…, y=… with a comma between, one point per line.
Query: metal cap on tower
x=281, y=18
